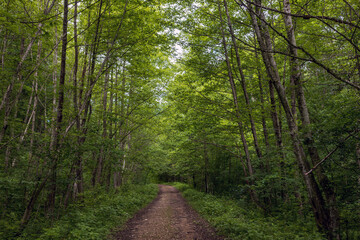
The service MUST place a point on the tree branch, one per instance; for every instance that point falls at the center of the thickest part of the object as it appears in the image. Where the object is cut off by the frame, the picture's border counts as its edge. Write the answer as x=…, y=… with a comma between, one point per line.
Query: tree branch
x=331, y=153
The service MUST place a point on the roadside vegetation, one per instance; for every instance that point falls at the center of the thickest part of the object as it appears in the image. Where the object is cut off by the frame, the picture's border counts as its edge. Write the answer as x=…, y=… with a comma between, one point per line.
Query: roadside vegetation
x=236, y=219
x=94, y=217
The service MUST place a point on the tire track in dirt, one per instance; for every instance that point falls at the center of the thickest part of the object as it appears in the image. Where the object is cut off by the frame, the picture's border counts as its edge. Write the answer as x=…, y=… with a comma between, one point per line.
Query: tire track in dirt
x=168, y=217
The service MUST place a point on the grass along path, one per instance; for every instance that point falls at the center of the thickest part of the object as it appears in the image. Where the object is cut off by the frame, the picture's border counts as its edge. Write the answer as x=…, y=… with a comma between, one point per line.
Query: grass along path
x=98, y=214
x=236, y=220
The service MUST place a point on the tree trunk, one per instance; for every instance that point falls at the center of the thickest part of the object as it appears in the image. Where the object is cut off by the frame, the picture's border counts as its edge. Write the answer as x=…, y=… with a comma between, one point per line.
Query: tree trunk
x=243, y=83
x=3, y=51
x=6, y=101
x=54, y=146
x=76, y=66
x=263, y=120
x=262, y=101
x=73, y=183
x=54, y=105
x=320, y=211
x=121, y=162
x=206, y=166
x=77, y=102
x=81, y=119
x=237, y=110
x=10, y=106
x=23, y=57
x=101, y=159
x=32, y=137
x=32, y=201
x=96, y=40
x=358, y=157
x=325, y=183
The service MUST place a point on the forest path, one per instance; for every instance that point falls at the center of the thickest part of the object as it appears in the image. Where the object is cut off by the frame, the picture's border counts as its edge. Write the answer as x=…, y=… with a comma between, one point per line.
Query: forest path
x=167, y=217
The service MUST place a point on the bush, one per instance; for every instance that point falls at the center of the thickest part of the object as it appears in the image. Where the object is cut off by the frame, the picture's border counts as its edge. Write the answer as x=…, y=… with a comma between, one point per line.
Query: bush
x=234, y=220
x=99, y=213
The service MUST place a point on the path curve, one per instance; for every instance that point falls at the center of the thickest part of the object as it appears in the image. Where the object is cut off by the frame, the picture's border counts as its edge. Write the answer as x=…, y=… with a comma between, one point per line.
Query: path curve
x=168, y=217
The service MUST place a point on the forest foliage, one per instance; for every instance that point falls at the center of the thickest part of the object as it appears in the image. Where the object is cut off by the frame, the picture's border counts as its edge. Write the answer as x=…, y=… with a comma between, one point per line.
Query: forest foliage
x=234, y=219
x=255, y=100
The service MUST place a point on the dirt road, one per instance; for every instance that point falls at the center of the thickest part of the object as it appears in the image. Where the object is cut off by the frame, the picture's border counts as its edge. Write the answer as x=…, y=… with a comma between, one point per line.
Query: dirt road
x=168, y=217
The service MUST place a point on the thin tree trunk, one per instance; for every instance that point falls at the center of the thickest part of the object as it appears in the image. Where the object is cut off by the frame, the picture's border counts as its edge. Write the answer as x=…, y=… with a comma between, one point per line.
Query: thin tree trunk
x=278, y=137
x=276, y=121
x=206, y=166
x=69, y=186
x=77, y=102
x=108, y=54
x=6, y=96
x=96, y=40
x=325, y=183
x=54, y=146
x=121, y=162
x=237, y=109
x=118, y=164
x=110, y=112
x=76, y=66
x=242, y=80
x=73, y=183
x=34, y=196
x=262, y=101
x=32, y=164
x=357, y=55
x=6, y=102
x=3, y=51
x=81, y=123
x=98, y=168
x=358, y=157
x=263, y=120
x=36, y=96
x=101, y=159
x=91, y=83
x=54, y=105
x=317, y=202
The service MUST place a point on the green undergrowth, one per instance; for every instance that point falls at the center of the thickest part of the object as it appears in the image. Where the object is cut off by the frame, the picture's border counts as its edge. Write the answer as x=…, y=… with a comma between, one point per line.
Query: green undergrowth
x=234, y=220
x=99, y=213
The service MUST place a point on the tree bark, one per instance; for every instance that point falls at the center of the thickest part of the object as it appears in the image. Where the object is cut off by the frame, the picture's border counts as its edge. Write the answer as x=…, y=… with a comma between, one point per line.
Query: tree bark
x=121, y=161
x=358, y=158
x=206, y=166
x=321, y=213
x=76, y=66
x=3, y=51
x=101, y=159
x=96, y=39
x=54, y=146
x=237, y=110
x=33, y=199
x=74, y=178
x=33, y=125
x=325, y=183
x=242, y=81
x=81, y=119
x=262, y=101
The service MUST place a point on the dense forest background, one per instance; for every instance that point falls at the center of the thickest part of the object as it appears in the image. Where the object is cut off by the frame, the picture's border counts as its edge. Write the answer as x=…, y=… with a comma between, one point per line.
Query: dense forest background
x=254, y=100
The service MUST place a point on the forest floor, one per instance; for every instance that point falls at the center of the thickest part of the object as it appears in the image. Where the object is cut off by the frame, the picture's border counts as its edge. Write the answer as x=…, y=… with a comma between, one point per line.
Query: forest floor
x=167, y=217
